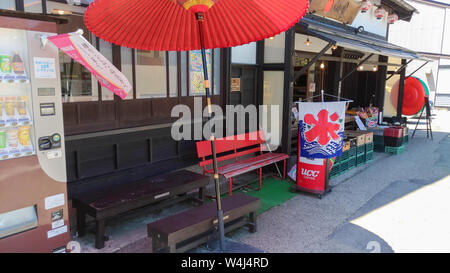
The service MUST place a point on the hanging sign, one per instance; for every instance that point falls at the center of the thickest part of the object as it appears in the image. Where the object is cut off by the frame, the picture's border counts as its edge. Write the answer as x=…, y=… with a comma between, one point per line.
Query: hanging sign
x=344, y=11
x=321, y=129
x=79, y=49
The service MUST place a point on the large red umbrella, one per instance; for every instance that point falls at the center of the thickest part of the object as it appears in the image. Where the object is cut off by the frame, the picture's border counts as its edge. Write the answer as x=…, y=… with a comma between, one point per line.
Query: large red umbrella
x=183, y=25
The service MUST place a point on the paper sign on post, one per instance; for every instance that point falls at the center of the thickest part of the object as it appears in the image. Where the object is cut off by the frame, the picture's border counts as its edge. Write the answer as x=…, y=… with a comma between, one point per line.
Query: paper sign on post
x=360, y=124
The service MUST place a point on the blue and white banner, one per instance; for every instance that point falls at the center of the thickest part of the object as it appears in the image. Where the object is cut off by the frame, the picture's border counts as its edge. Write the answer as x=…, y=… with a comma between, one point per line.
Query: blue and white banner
x=321, y=129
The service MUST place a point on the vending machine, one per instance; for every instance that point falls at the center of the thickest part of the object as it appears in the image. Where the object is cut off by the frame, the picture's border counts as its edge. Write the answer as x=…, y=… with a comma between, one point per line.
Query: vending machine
x=33, y=190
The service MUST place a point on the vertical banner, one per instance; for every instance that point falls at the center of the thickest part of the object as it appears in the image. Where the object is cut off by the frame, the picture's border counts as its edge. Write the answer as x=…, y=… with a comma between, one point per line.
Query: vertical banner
x=79, y=49
x=196, y=71
x=321, y=129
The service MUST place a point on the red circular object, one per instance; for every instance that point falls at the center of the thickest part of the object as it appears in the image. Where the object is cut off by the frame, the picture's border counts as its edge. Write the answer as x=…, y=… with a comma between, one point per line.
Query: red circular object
x=413, y=96
x=166, y=25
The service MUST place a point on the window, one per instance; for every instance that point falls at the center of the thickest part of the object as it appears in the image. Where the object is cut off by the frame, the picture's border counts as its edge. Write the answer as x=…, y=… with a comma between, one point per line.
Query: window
x=77, y=82
x=8, y=4
x=126, y=55
x=151, y=74
x=106, y=49
x=173, y=74
x=33, y=6
x=274, y=49
x=244, y=54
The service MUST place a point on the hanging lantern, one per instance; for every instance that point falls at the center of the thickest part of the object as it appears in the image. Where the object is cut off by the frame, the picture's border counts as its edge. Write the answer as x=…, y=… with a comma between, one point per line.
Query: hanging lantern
x=392, y=18
x=365, y=6
x=380, y=13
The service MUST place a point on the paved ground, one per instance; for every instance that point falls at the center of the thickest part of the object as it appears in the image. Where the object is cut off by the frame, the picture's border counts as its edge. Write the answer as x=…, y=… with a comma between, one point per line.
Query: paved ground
x=397, y=203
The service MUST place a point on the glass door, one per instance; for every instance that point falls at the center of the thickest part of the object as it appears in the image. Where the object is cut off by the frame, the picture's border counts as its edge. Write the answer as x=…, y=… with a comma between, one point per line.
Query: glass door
x=273, y=87
x=16, y=113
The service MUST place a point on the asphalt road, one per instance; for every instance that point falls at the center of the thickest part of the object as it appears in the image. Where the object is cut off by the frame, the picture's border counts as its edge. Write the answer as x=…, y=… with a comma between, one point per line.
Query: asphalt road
x=397, y=203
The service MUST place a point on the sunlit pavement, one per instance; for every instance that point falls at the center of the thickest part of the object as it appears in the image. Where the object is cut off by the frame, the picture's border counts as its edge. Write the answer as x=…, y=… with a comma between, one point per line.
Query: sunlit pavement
x=397, y=203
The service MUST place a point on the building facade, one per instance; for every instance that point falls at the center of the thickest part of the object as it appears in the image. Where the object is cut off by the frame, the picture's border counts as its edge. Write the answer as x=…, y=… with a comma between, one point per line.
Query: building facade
x=430, y=37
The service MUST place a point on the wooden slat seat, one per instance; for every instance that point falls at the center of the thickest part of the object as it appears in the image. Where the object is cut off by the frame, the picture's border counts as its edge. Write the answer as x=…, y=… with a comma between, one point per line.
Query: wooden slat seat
x=116, y=199
x=250, y=164
x=188, y=229
x=234, y=148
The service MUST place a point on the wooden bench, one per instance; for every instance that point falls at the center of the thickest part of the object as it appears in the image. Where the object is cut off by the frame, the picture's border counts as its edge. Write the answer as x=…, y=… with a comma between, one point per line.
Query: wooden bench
x=112, y=201
x=191, y=228
x=236, y=147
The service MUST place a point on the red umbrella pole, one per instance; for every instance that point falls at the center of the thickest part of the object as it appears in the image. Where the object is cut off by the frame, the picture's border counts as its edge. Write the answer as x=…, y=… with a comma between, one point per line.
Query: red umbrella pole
x=220, y=223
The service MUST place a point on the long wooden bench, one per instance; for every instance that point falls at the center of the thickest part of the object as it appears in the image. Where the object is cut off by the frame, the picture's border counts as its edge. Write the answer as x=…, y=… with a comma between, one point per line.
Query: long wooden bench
x=235, y=147
x=189, y=229
x=112, y=201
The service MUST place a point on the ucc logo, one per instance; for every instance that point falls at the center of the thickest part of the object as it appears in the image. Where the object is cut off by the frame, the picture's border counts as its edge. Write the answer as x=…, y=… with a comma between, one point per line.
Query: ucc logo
x=310, y=173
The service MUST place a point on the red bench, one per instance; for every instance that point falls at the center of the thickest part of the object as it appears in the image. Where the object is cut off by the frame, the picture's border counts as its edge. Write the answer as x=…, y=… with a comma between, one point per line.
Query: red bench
x=235, y=147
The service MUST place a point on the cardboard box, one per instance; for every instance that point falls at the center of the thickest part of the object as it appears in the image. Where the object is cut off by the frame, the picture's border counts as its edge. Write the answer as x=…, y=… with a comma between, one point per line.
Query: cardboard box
x=359, y=135
x=369, y=137
x=346, y=146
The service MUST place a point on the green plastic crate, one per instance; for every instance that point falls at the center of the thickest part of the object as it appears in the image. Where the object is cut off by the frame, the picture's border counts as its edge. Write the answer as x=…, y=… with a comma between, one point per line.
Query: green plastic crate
x=351, y=162
x=406, y=139
x=369, y=147
x=378, y=148
x=352, y=152
x=335, y=171
x=343, y=166
x=369, y=156
x=378, y=140
x=360, y=149
x=394, y=150
x=360, y=159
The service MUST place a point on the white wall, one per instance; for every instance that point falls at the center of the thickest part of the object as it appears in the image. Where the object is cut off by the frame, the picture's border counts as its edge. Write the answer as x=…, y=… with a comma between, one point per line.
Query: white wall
x=423, y=33
x=370, y=22
x=316, y=44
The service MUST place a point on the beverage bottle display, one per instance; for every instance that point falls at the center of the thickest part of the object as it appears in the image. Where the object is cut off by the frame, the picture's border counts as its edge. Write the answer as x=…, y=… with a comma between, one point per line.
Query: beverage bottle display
x=24, y=135
x=12, y=137
x=5, y=63
x=22, y=105
x=1, y=107
x=2, y=140
x=9, y=106
x=17, y=64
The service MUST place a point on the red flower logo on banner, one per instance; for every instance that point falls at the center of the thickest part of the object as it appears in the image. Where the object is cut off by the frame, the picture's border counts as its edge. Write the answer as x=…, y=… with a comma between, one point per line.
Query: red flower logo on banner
x=322, y=129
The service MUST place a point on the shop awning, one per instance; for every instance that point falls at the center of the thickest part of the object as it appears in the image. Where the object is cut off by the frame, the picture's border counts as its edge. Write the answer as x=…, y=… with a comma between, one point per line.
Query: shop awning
x=355, y=41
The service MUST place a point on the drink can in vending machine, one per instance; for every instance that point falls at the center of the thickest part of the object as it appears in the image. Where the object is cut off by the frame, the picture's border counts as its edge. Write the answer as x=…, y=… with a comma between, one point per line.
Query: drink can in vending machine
x=2, y=139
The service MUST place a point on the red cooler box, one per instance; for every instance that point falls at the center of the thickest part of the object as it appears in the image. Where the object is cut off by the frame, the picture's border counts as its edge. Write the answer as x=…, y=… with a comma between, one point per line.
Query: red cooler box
x=313, y=175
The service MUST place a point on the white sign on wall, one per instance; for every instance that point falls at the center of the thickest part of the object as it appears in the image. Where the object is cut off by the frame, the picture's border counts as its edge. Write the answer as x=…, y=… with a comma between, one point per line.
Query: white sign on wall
x=44, y=68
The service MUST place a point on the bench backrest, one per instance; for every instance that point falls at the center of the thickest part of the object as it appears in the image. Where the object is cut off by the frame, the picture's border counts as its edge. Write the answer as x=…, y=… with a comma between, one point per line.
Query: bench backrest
x=235, y=144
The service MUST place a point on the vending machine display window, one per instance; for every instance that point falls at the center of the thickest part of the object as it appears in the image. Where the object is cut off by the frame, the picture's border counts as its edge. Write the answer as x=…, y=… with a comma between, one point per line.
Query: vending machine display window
x=18, y=221
x=16, y=113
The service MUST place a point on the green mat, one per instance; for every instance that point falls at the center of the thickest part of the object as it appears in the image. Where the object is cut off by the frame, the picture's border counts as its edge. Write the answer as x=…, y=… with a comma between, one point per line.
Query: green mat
x=273, y=193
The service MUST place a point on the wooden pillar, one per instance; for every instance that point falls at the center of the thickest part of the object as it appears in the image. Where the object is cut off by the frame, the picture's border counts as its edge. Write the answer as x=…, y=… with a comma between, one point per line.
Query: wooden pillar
x=381, y=79
x=401, y=90
x=286, y=139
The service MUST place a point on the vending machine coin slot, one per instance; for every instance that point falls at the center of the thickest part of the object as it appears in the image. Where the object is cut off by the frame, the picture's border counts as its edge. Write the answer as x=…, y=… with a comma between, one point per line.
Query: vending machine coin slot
x=47, y=109
x=44, y=143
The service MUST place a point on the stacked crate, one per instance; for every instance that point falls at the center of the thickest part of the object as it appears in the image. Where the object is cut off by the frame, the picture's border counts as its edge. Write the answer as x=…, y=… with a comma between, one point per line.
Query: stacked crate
x=378, y=138
x=357, y=150
x=364, y=146
x=393, y=139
